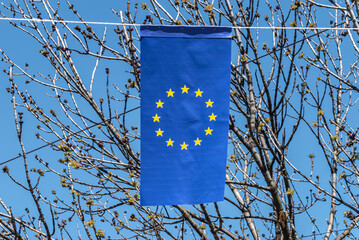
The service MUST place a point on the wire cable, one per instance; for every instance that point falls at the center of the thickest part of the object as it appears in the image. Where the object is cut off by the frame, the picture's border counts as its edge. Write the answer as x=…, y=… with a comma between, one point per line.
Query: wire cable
x=50, y=143
x=322, y=233
x=134, y=24
x=137, y=24
x=291, y=44
x=253, y=60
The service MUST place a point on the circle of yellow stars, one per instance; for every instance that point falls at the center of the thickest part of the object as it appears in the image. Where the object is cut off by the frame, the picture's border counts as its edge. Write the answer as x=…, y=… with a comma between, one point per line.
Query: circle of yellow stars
x=156, y=118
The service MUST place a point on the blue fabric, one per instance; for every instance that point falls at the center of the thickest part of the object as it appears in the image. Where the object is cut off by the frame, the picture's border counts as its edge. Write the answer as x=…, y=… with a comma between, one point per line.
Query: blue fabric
x=185, y=32
x=184, y=132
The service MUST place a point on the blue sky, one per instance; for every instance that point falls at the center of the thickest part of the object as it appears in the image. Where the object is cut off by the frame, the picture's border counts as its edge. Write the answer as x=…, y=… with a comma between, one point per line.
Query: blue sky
x=23, y=49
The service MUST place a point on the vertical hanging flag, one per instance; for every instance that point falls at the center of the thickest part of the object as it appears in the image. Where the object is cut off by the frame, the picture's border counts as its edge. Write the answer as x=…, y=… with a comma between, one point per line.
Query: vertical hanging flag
x=185, y=86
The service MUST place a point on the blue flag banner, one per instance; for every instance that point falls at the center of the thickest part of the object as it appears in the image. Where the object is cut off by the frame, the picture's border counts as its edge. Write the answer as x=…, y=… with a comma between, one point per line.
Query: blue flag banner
x=185, y=87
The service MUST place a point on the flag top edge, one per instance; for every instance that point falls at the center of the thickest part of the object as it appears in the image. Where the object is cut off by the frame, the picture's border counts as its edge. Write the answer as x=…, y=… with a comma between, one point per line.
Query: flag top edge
x=161, y=31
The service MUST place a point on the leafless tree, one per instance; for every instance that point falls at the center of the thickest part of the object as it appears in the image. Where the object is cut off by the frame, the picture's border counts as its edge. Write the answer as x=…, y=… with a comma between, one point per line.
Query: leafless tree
x=289, y=88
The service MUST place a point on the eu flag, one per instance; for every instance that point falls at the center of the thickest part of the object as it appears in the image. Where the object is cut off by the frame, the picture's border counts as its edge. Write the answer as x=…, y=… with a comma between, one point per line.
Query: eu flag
x=185, y=87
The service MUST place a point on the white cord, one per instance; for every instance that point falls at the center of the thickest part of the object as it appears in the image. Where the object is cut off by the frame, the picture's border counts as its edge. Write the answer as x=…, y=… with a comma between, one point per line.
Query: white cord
x=66, y=21
x=136, y=24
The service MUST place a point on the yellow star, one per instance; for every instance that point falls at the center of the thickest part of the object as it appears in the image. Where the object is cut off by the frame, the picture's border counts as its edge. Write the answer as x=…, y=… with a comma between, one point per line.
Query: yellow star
x=170, y=142
x=185, y=89
x=170, y=93
x=197, y=142
x=156, y=118
x=209, y=103
x=212, y=117
x=208, y=131
x=159, y=104
x=184, y=146
x=159, y=132
x=199, y=93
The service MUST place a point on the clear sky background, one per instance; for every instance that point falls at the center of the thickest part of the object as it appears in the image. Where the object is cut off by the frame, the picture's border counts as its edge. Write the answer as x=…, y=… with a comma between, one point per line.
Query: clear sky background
x=22, y=48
